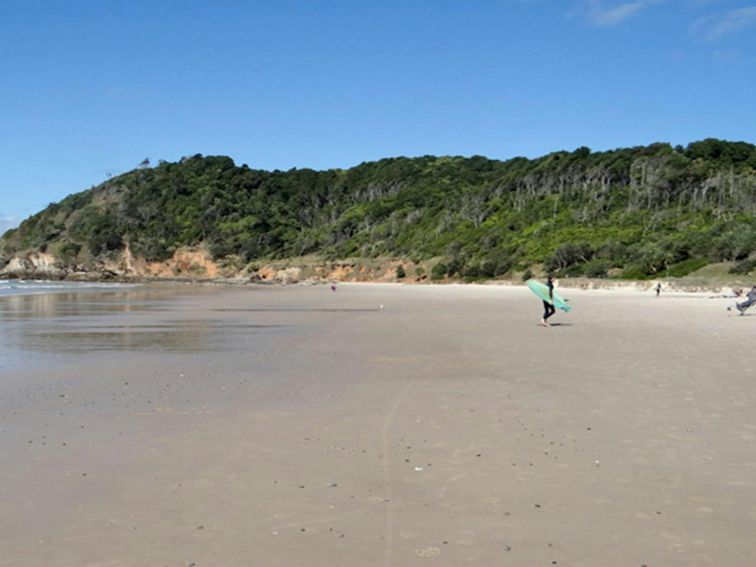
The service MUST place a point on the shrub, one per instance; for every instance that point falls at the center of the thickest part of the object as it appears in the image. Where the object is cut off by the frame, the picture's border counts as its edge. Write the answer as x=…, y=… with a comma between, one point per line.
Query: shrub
x=744, y=266
x=651, y=258
x=471, y=271
x=574, y=271
x=597, y=269
x=736, y=244
x=685, y=267
x=68, y=251
x=156, y=250
x=495, y=265
x=634, y=272
x=612, y=251
x=567, y=255
x=439, y=271
x=527, y=275
x=400, y=273
x=456, y=265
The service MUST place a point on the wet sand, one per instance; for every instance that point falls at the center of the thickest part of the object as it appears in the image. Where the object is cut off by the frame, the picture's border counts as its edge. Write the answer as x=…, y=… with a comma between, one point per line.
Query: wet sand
x=295, y=426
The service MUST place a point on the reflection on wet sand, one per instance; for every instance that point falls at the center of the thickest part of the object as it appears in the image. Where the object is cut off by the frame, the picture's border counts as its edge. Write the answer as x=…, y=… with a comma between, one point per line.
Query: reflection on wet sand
x=294, y=310
x=74, y=304
x=181, y=337
x=82, y=341
x=148, y=319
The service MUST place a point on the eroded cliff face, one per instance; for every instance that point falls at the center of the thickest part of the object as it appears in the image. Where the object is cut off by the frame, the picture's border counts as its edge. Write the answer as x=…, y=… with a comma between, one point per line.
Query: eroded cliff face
x=197, y=264
x=39, y=264
x=184, y=263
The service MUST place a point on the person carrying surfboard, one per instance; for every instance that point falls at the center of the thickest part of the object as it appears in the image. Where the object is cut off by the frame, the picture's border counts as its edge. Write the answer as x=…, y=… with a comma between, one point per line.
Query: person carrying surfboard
x=551, y=299
x=548, y=306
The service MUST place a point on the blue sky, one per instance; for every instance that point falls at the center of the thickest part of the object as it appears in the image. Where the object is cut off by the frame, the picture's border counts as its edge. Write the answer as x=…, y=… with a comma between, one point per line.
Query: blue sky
x=90, y=88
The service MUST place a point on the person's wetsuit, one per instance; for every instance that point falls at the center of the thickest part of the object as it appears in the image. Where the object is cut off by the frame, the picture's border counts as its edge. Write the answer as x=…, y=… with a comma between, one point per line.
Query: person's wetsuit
x=548, y=308
x=750, y=300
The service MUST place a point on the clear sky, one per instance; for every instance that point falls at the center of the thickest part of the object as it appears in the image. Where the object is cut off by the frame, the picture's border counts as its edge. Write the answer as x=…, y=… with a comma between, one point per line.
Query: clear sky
x=89, y=88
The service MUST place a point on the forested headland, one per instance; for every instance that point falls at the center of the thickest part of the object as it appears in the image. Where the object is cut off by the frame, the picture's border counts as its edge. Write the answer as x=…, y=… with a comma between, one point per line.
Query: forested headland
x=635, y=213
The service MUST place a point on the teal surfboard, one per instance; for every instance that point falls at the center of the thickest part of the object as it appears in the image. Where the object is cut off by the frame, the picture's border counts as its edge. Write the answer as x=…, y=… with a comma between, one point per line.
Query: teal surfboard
x=542, y=291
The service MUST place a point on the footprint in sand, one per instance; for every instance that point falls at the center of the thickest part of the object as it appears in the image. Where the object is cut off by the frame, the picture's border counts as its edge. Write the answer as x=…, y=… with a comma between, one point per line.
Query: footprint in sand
x=428, y=551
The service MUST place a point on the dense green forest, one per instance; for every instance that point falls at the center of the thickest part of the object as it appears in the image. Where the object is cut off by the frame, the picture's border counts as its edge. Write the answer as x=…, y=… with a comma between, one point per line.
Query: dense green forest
x=634, y=212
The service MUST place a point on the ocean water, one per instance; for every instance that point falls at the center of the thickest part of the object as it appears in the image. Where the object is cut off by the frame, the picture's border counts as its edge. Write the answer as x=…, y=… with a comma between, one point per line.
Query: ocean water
x=29, y=287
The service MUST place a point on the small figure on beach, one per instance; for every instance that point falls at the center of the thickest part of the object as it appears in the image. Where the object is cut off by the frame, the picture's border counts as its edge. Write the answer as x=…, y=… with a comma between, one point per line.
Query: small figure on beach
x=548, y=306
x=658, y=288
x=743, y=306
x=333, y=287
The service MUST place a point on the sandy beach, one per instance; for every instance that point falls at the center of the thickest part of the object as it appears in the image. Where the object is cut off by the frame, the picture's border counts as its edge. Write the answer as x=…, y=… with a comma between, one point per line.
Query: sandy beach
x=293, y=426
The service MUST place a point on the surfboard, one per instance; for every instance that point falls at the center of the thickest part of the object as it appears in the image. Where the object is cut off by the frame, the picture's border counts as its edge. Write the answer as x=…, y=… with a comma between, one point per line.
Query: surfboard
x=542, y=291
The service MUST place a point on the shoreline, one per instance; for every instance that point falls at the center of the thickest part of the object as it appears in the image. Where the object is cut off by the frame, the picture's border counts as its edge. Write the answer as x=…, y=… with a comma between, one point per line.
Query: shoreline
x=692, y=285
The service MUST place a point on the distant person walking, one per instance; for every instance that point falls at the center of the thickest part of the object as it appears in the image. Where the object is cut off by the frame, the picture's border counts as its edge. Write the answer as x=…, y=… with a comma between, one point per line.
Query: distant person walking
x=743, y=306
x=548, y=306
x=658, y=289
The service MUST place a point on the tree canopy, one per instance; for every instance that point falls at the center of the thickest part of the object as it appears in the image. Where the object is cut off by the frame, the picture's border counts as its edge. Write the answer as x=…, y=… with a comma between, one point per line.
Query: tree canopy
x=645, y=211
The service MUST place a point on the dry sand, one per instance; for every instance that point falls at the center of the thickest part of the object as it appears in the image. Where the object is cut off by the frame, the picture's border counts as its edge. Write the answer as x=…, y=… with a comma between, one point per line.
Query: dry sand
x=295, y=426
